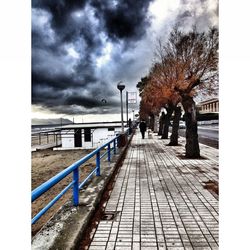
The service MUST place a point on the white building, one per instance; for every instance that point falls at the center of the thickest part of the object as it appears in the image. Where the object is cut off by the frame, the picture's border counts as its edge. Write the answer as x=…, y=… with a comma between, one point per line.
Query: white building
x=208, y=106
x=88, y=135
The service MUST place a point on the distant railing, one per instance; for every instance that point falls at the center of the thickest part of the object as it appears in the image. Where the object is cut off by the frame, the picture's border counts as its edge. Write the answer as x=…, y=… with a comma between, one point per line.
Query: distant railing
x=46, y=137
x=37, y=192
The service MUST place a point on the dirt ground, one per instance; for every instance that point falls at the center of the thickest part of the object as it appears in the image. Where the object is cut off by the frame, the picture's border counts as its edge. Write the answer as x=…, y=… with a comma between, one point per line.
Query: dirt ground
x=47, y=163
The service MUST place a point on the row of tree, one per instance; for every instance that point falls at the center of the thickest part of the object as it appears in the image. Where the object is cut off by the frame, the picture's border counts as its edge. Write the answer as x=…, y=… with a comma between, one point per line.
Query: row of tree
x=186, y=65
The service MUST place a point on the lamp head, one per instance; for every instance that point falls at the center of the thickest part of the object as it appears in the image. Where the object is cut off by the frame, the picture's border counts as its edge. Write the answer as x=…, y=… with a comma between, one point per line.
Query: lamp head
x=120, y=86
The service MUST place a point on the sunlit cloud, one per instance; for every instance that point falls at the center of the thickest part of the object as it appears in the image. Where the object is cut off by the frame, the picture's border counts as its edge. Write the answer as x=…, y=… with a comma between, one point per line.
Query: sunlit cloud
x=105, y=56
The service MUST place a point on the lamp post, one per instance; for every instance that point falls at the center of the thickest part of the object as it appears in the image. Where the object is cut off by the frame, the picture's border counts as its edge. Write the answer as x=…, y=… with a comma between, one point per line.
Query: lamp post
x=133, y=114
x=121, y=87
x=61, y=119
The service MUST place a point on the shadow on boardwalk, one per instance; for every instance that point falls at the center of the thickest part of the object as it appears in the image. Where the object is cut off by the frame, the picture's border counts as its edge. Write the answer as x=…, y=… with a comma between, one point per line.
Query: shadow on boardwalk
x=161, y=200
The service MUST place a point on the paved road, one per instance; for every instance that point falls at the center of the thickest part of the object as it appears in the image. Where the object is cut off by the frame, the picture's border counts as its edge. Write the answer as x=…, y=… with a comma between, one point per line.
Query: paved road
x=207, y=135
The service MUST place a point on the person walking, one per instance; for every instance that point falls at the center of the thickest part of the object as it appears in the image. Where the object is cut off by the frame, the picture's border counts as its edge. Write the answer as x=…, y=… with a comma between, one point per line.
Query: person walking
x=143, y=128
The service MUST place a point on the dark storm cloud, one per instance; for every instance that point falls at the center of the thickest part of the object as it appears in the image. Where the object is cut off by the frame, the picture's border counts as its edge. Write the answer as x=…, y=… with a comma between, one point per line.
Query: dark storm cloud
x=123, y=19
x=67, y=38
x=89, y=101
x=81, y=49
x=60, y=11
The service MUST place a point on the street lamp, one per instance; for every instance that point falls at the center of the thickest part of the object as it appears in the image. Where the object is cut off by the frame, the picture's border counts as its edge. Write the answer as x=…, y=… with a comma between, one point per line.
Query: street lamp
x=121, y=87
x=133, y=114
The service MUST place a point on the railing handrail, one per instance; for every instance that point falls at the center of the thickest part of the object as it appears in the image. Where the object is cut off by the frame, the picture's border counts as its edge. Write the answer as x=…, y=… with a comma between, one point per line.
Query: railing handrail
x=45, y=131
x=37, y=192
x=73, y=168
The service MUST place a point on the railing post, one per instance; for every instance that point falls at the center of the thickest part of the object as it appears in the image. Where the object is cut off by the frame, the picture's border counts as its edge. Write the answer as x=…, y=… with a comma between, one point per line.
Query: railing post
x=75, y=187
x=98, y=164
x=109, y=152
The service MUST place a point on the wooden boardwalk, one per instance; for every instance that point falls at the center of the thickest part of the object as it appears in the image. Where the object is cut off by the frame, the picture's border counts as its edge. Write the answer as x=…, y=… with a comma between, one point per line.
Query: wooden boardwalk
x=161, y=200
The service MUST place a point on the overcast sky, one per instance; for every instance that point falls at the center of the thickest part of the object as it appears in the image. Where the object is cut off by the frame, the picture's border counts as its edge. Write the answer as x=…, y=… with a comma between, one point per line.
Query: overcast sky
x=82, y=48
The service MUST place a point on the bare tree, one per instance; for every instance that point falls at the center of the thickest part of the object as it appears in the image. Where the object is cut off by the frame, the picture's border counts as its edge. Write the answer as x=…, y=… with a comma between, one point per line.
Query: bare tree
x=163, y=73
x=187, y=66
x=194, y=59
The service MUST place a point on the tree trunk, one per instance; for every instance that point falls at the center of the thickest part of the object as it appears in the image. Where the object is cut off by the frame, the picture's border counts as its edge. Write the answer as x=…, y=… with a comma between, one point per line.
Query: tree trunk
x=166, y=123
x=175, y=127
x=192, y=143
x=152, y=121
x=161, y=123
x=156, y=123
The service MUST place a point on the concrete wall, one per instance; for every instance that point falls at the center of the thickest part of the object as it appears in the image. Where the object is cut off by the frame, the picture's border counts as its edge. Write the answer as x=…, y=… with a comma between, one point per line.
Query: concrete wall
x=68, y=138
x=102, y=135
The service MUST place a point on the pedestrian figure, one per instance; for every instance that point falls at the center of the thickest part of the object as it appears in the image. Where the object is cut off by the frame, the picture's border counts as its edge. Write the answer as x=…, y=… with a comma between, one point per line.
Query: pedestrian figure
x=143, y=128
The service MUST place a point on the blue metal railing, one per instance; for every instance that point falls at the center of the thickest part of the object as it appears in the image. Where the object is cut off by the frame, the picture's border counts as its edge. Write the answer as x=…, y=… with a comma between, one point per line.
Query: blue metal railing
x=37, y=192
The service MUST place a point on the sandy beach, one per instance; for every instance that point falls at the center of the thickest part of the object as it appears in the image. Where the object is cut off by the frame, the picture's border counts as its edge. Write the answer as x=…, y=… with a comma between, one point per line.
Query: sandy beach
x=47, y=163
